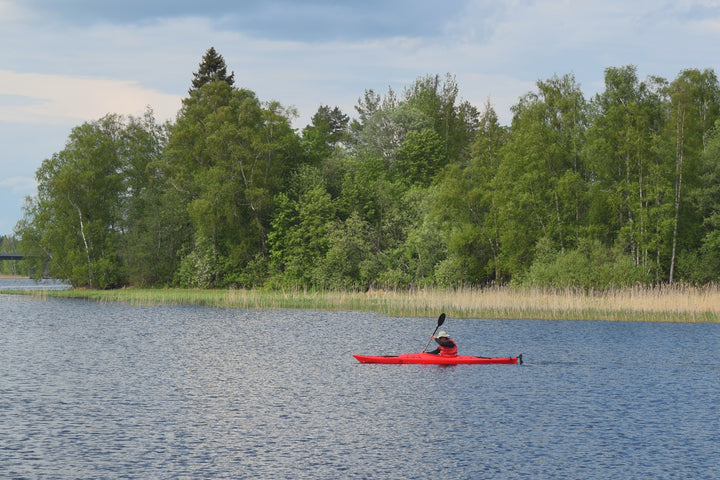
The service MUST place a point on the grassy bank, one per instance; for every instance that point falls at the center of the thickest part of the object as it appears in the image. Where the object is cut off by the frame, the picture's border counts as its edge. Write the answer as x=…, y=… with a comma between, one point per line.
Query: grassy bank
x=669, y=303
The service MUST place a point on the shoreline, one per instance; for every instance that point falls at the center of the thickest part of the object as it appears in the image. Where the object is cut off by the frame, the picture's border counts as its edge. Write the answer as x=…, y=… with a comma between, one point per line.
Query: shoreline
x=658, y=304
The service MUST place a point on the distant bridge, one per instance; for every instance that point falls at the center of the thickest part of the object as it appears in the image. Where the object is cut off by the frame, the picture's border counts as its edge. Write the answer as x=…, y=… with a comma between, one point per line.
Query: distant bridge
x=11, y=256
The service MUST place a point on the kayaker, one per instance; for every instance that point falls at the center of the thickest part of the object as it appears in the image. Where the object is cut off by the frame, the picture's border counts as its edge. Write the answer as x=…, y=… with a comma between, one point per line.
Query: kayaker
x=446, y=346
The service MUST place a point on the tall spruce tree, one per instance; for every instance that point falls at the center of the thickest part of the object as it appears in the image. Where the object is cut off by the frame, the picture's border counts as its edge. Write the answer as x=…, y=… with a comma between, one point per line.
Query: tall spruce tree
x=212, y=69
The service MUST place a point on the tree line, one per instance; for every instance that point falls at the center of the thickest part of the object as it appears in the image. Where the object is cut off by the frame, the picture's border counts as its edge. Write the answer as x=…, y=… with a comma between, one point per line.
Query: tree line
x=420, y=189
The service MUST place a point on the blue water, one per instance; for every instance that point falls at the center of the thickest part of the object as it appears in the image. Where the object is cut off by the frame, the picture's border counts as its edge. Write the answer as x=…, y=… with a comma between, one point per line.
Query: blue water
x=113, y=391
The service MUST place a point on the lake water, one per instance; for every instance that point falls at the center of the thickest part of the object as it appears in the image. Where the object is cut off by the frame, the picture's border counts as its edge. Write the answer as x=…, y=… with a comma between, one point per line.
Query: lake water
x=90, y=390
x=29, y=284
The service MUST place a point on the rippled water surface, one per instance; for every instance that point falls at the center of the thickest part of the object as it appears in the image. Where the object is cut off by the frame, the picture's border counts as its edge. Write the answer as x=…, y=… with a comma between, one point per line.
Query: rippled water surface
x=113, y=391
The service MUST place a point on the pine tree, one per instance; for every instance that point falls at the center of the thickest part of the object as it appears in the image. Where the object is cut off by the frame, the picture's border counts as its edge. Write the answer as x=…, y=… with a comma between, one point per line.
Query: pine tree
x=212, y=69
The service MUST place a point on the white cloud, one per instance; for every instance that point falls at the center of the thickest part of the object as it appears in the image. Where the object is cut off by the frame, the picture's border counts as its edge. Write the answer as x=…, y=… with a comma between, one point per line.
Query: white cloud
x=39, y=98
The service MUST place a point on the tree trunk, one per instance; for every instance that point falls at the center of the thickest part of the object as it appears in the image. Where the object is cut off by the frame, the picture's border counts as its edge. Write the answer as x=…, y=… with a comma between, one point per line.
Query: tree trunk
x=87, y=247
x=679, y=147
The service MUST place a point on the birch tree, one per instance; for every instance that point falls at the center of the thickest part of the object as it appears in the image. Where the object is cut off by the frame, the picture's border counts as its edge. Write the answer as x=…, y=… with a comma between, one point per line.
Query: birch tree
x=693, y=98
x=75, y=223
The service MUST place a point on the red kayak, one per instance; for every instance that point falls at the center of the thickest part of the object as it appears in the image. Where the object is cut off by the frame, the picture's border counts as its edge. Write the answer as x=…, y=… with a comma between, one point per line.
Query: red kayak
x=430, y=359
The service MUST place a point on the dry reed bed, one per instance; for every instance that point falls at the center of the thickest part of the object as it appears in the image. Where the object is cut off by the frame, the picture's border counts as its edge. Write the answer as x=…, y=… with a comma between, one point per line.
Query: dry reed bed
x=667, y=303
x=686, y=304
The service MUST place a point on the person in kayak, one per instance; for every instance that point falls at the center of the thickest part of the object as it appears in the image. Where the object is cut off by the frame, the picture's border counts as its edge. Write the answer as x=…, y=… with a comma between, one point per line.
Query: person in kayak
x=446, y=345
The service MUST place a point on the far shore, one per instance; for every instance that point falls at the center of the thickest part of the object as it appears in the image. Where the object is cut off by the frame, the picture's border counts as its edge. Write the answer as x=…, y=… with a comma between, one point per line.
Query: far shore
x=6, y=276
x=671, y=303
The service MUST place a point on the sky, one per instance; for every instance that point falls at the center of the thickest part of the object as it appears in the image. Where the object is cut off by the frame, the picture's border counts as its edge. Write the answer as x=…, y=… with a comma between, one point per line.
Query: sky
x=66, y=62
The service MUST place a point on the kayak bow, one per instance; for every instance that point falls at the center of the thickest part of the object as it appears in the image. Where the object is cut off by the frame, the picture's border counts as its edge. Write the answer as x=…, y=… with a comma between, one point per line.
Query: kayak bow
x=430, y=359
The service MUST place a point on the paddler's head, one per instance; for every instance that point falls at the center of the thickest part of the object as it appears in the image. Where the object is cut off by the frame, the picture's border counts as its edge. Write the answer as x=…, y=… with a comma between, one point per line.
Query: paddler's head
x=443, y=334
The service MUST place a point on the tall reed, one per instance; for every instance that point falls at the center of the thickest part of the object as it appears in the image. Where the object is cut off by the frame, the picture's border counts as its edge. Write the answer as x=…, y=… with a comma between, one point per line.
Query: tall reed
x=666, y=303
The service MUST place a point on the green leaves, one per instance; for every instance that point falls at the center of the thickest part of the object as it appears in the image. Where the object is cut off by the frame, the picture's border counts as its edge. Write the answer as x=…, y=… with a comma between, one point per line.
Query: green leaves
x=81, y=212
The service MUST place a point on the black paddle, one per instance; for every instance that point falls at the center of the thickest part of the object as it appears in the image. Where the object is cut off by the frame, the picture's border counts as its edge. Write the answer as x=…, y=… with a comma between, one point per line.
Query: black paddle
x=441, y=320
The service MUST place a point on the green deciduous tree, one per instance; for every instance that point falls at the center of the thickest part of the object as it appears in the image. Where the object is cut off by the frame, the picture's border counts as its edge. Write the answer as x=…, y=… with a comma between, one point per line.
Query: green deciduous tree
x=154, y=220
x=693, y=98
x=420, y=157
x=329, y=129
x=702, y=265
x=383, y=125
x=542, y=176
x=467, y=209
x=453, y=120
x=626, y=154
x=299, y=239
x=76, y=222
x=228, y=155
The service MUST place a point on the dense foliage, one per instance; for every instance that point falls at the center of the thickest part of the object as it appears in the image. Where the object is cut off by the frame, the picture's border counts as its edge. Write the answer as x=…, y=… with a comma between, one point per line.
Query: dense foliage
x=11, y=267
x=421, y=188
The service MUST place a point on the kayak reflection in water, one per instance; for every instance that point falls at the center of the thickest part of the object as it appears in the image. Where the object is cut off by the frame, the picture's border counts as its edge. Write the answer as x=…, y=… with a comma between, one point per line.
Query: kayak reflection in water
x=446, y=346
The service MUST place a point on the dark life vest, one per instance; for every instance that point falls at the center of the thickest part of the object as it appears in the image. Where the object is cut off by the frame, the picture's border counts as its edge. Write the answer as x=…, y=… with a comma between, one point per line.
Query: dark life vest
x=447, y=347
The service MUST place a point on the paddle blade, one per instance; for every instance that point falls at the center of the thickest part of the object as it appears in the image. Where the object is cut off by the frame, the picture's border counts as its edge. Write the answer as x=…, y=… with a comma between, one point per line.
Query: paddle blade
x=441, y=319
